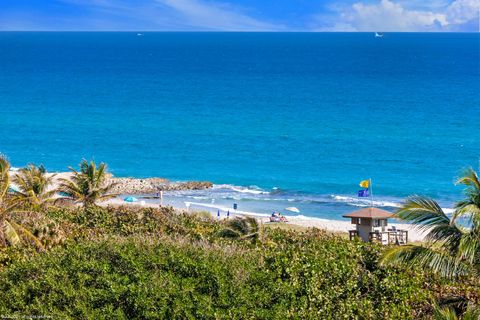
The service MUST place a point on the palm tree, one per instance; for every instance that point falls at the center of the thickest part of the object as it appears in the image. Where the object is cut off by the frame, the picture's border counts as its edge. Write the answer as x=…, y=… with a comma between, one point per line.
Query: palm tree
x=241, y=228
x=89, y=185
x=4, y=206
x=33, y=187
x=452, y=248
x=9, y=230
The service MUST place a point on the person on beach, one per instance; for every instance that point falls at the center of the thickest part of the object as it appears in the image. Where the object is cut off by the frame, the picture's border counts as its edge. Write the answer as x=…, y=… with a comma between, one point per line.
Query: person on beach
x=277, y=217
x=274, y=217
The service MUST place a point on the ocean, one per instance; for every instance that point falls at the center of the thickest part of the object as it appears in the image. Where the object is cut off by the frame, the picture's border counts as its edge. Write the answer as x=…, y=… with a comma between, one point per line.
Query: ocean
x=273, y=119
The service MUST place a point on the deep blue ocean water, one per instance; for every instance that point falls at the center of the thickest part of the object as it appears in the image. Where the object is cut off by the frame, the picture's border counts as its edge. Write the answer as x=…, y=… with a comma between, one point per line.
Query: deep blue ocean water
x=311, y=114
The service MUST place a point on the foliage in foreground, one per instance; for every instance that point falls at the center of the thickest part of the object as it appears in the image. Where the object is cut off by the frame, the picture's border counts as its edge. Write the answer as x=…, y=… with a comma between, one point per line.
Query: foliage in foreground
x=453, y=247
x=129, y=263
x=11, y=232
x=133, y=278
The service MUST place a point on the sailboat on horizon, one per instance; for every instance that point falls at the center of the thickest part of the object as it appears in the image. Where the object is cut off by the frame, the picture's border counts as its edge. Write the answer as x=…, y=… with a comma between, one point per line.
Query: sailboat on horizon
x=378, y=34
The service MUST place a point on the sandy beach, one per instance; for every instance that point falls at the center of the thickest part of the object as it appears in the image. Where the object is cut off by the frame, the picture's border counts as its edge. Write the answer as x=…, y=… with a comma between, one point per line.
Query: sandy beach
x=134, y=186
x=302, y=221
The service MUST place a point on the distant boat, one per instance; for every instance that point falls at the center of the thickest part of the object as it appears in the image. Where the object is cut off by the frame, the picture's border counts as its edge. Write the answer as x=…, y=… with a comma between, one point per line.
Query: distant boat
x=139, y=34
x=378, y=34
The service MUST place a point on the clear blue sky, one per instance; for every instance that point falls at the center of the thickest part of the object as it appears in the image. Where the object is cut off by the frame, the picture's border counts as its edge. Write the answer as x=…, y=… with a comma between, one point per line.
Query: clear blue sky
x=240, y=15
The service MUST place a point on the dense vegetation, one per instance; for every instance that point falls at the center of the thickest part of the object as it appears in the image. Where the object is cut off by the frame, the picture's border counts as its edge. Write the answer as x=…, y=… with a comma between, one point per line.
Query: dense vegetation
x=144, y=263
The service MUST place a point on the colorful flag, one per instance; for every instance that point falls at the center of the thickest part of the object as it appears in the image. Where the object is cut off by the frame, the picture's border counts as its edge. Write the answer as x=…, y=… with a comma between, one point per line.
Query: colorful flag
x=365, y=184
x=363, y=193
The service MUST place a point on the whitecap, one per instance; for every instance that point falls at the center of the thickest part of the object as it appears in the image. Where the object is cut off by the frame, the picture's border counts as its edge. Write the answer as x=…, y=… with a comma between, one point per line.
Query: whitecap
x=251, y=190
x=357, y=202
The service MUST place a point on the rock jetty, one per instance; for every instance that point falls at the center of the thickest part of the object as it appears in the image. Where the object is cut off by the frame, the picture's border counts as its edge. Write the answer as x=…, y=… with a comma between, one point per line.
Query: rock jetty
x=154, y=185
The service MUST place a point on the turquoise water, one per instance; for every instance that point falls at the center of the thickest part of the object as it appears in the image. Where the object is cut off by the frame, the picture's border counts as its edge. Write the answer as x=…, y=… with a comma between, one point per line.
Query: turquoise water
x=310, y=114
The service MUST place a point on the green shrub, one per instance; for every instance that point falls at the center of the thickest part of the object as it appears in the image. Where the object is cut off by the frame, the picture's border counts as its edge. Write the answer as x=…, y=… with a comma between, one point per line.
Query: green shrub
x=313, y=276
x=140, y=263
x=128, y=221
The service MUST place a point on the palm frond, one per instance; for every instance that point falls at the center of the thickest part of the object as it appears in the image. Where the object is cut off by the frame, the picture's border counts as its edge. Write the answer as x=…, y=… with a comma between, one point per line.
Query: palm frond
x=444, y=314
x=27, y=235
x=429, y=258
x=423, y=212
x=426, y=215
x=10, y=234
x=252, y=222
x=469, y=178
x=241, y=228
x=469, y=248
x=33, y=184
x=4, y=175
x=88, y=185
x=472, y=183
x=453, y=248
x=238, y=224
x=69, y=187
x=472, y=313
x=229, y=233
x=470, y=211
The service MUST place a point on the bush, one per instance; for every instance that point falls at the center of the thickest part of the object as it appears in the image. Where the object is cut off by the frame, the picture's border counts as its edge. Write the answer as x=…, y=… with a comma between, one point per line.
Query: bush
x=125, y=263
x=128, y=221
x=310, y=277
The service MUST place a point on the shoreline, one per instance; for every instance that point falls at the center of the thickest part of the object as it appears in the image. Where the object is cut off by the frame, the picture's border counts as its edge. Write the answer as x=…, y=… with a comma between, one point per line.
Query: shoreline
x=331, y=225
x=142, y=186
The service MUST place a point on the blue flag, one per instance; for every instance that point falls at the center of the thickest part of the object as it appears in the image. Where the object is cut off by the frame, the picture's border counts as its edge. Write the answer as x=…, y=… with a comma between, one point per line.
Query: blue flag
x=363, y=193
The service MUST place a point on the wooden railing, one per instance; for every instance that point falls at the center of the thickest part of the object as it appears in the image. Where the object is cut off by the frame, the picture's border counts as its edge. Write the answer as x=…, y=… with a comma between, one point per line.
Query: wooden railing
x=399, y=237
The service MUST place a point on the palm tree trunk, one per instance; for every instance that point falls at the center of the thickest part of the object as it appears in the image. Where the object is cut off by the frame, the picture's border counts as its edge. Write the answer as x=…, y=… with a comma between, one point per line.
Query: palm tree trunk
x=3, y=242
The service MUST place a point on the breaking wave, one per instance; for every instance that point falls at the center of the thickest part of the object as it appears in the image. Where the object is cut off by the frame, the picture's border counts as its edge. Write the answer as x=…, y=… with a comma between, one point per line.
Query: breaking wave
x=361, y=202
x=250, y=190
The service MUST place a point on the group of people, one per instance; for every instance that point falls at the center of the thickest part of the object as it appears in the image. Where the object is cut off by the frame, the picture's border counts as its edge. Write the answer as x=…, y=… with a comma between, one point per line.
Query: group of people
x=277, y=217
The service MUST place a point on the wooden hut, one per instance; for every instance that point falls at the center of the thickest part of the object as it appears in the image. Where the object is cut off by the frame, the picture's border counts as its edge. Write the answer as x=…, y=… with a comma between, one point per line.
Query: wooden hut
x=372, y=225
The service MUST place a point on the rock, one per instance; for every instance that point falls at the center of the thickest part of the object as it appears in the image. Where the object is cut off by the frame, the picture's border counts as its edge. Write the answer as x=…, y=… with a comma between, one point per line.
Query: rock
x=154, y=185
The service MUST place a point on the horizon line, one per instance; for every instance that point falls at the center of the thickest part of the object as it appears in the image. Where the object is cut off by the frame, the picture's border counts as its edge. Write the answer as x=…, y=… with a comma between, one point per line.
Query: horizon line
x=229, y=31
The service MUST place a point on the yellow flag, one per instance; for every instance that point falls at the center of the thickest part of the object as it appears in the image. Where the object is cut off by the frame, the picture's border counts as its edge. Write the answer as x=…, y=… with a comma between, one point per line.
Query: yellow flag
x=364, y=183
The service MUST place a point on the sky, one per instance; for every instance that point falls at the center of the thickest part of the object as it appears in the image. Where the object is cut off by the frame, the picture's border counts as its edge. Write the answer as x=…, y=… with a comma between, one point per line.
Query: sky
x=241, y=15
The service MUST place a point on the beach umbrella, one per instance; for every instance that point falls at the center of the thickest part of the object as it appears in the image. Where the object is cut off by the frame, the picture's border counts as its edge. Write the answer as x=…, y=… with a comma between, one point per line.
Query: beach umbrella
x=130, y=199
x=292, y=209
